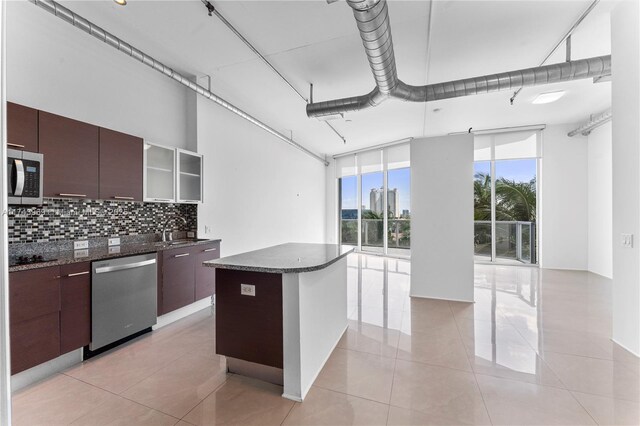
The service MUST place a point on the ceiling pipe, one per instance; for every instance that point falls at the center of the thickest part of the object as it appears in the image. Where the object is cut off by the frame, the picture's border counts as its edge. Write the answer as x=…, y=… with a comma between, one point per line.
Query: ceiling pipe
x=372, y=18
x=592, y=124
x=212, y=10
x=565, y=38
x=556, y=73
x=124, y=47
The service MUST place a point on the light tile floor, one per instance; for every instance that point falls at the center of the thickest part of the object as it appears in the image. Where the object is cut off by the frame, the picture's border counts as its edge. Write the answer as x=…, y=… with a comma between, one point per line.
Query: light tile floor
x=535, y=348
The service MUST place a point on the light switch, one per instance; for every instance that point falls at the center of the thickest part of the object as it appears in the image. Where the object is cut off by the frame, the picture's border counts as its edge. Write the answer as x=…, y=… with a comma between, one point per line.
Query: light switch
x=247, y=289
x=79, y=245
x=627, y=240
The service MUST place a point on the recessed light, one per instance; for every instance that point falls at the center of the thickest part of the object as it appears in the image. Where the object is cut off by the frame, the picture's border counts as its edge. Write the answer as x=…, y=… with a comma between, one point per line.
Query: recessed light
x=121, y=2
x=546, y=98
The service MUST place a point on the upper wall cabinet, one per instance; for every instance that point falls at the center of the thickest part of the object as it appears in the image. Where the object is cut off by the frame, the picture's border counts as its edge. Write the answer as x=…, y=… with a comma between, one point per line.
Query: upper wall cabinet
x=121, y=166
x=22, y=127
x=159, y=173
x=71, y=155
x=189, y=177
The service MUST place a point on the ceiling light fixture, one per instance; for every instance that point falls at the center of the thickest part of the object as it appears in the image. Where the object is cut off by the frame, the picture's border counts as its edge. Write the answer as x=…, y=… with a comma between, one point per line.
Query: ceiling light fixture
x=121, y=2
x=546, y=98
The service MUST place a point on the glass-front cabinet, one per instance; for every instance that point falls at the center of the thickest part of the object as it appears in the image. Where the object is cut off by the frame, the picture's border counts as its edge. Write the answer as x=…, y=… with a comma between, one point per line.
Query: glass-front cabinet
x=172, y=175
x=189, y=177
x=159, y=173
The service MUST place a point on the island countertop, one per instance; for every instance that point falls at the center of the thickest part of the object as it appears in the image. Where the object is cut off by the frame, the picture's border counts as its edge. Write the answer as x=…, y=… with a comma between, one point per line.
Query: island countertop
x=283, y=258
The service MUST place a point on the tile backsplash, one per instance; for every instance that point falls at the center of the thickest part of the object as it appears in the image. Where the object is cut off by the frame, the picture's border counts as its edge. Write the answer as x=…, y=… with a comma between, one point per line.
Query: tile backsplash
x=64, y=219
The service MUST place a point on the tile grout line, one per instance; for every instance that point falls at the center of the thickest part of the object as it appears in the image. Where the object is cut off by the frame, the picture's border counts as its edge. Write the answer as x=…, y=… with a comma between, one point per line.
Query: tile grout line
x=475, y=379
x=289, y=412
x=393, y=380
x=207, y=396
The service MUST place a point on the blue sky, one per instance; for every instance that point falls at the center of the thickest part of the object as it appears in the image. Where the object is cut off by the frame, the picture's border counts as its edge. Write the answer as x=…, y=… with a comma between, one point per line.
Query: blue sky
x=518, y=170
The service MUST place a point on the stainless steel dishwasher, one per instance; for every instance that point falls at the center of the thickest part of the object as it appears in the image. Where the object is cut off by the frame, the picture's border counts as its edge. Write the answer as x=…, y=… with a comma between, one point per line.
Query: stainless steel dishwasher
x=123, y=298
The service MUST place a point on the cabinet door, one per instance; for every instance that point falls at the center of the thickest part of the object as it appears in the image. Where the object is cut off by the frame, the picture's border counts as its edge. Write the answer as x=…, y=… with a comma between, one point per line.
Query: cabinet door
x=178, y=281
x=121, y=162
x=70, y=151
x=205, y=276
x=159, y=173
x=34, y=341
x=34, y=317
x=22, y=127
x=34, y=293
x=75, y=313
x=189, y=177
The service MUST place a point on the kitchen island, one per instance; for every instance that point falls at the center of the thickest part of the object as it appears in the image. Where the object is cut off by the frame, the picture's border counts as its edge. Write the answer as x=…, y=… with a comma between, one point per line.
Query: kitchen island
x=280, y=312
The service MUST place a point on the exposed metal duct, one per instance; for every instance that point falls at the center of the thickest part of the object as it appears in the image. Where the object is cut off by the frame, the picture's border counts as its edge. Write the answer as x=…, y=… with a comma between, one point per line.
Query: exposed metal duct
x=592, y=124
x=375, y=30
x=124, y=47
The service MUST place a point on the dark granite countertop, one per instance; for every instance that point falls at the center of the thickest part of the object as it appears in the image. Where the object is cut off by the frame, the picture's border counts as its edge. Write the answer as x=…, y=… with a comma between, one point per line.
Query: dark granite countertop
x=65, y=257
x=283, y=258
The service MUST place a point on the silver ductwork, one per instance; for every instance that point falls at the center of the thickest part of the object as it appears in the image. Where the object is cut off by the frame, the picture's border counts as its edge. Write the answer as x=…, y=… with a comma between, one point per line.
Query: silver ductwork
x=375, y=30
x=592, y=124
x=124, y=47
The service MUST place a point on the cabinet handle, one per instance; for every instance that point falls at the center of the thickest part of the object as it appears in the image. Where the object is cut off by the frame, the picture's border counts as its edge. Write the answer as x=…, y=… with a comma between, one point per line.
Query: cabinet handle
x=73, y=195
x=77, y=273
x=15, y=145
x=211, y=249
x=162, y=199
x=118, y=197
x=181, y=255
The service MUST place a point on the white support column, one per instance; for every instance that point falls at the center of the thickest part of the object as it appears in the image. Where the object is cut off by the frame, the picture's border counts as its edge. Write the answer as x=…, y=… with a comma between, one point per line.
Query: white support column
x=625, y=67
x=5, y=361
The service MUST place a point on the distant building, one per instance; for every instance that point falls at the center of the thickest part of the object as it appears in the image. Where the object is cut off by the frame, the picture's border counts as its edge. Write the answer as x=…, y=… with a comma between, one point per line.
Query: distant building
x=405, y=213
x=376, y=201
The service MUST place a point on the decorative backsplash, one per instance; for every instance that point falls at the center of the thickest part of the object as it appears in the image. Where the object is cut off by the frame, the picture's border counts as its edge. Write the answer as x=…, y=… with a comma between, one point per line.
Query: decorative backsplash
x=63, y=219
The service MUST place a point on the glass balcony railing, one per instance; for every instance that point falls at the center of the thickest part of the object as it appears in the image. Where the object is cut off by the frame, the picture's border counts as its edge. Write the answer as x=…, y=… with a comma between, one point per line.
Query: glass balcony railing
x=514, y=240
x=399, y=232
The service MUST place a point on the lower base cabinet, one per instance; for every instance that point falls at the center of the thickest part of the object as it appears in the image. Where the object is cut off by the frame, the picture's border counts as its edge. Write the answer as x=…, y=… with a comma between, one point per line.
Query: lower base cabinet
x=182, y=279
x=49, y=313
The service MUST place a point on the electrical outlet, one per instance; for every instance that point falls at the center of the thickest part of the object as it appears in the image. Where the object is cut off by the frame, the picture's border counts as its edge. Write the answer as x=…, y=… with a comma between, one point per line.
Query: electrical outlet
x=207, y=229
x=79, y=245
x=627, y=240
x=77, y=254
x=114, y=241
x=191, y=234
x=247, y=289
x=114, y=250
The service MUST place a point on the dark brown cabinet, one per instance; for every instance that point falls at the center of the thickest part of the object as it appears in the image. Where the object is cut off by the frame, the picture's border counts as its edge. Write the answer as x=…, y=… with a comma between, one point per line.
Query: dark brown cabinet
x=121, y=166
x=71, y=153
x=178, y=280
x=182, y=279
x=34, y=320
x=22, y=127
x=205, y=276
x=75, y=312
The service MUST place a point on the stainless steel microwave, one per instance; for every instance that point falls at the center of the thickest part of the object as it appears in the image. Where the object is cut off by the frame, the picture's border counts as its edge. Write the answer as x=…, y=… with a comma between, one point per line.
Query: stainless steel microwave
x=24, y=173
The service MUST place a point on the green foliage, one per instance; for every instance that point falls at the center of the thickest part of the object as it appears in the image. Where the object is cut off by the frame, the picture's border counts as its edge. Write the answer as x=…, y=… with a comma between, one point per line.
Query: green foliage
x=515, y=201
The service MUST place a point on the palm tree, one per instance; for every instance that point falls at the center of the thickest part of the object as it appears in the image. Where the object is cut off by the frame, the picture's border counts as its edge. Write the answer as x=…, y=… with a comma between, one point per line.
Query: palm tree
x=515, y=201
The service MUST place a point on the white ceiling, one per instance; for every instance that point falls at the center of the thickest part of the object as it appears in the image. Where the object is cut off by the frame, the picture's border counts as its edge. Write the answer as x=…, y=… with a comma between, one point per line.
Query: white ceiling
x=315, y=42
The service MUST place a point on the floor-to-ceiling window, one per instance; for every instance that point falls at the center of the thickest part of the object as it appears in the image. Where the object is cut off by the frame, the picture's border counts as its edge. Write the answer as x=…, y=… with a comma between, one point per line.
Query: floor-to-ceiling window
x=375, y=201
x=505, y=197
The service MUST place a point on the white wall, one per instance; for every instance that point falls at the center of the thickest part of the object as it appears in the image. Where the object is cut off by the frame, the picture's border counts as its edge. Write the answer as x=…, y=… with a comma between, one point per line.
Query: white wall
x=600, y=210
x=442, y=217
x=625, y=97
x=55, y=67
x=563, y=191
x=259, y=191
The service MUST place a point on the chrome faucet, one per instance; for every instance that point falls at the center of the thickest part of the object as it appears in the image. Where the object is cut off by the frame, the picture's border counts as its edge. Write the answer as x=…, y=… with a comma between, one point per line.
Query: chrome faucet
x=164, y=228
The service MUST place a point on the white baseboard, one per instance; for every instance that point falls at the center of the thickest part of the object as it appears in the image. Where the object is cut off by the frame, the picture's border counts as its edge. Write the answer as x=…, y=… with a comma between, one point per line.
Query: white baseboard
x=291, y=397
x=625, y=348
x=441, y=298
x=182, y=312
x=44, y=370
